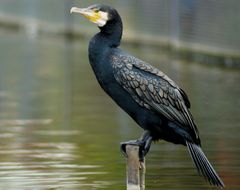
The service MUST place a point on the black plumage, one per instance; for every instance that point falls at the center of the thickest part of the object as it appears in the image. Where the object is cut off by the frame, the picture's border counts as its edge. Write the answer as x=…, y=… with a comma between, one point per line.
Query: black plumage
x=153, y=90
x=149, y=96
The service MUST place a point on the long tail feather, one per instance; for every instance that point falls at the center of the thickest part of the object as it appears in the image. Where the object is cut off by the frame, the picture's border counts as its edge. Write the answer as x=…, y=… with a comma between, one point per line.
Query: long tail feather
x=203, y=165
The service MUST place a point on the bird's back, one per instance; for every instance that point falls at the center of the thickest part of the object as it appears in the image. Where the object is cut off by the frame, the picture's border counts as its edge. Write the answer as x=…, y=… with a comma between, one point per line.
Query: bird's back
x=151, y=98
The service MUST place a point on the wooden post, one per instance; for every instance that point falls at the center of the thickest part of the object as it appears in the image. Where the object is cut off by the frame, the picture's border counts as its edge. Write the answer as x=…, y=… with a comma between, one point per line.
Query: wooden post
x=135, y=169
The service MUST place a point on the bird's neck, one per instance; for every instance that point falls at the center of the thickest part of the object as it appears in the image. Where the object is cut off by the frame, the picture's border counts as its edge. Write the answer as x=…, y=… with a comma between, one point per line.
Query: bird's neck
x=102, y=43
x=109, y=37
x=112, y=32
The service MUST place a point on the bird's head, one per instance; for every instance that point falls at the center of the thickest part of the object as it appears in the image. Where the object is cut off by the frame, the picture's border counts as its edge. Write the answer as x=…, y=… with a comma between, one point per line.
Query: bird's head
x=99, y=14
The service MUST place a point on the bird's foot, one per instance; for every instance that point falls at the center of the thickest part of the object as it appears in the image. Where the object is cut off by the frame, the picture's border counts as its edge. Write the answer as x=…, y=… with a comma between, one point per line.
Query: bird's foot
x=144, y=146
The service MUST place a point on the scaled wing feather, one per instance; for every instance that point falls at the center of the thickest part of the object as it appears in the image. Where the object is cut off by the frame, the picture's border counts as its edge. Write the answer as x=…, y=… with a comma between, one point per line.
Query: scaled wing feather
x=152, y=89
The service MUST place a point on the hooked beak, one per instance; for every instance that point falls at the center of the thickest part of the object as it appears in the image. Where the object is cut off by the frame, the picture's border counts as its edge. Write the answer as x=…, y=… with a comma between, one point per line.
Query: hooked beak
x=100, y=18
x=78, y=10
x=87, y=13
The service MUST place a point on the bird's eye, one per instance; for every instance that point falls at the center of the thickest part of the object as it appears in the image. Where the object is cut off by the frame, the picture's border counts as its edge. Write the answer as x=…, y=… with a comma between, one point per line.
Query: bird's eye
x=95, y=10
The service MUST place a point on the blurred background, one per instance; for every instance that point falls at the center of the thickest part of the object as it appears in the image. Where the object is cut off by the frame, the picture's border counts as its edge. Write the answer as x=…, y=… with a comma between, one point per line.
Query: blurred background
x=59, y=130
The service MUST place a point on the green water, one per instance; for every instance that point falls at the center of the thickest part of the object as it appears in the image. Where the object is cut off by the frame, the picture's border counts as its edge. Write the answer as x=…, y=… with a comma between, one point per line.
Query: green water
x=59, y=130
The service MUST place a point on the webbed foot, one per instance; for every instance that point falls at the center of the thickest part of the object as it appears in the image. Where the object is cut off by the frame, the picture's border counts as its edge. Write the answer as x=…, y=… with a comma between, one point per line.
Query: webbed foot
x=144, y=145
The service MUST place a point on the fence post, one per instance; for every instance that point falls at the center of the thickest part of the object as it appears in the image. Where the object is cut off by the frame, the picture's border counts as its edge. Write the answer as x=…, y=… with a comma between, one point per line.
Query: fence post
x=135, y=169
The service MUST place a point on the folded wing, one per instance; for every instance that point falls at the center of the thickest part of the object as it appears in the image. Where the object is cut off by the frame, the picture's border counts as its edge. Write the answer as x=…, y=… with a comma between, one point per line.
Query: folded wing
x=153, y=90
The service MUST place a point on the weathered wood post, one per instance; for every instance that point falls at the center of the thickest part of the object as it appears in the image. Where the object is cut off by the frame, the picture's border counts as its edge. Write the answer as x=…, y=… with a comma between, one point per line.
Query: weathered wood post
x=135, y=169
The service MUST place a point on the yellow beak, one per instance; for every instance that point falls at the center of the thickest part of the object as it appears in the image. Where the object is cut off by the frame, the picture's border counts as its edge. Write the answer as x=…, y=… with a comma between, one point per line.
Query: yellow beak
x=87, y=13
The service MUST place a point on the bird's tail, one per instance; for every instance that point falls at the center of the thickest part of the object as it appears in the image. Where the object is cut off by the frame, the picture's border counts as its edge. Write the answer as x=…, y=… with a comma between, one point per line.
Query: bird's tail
x=203, y=165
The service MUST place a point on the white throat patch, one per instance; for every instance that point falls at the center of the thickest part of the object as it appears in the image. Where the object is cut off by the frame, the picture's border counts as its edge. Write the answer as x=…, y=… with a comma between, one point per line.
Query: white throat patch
x=103, y=18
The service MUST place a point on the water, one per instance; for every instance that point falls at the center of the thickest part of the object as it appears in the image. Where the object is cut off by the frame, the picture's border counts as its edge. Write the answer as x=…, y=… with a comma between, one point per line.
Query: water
x=60, y=131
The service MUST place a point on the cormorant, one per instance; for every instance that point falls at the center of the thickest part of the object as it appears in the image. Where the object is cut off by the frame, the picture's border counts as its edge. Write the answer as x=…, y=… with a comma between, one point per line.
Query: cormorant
x=149, y=96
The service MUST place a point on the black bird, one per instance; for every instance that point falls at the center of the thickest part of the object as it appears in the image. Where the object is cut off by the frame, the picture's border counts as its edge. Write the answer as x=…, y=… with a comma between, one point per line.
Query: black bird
x=149, y=96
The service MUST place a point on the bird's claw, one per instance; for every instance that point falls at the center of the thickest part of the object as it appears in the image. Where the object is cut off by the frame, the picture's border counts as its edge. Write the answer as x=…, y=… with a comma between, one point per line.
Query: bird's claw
x=143, y=149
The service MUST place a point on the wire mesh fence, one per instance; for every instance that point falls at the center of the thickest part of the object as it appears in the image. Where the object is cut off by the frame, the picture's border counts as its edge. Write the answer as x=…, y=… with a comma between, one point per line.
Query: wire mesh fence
x=211, y=26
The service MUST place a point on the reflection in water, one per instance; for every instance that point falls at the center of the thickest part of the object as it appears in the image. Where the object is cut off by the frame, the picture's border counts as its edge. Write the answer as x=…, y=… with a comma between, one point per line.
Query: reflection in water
x=43, y=164
x=25, y=121
x=60, y=131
